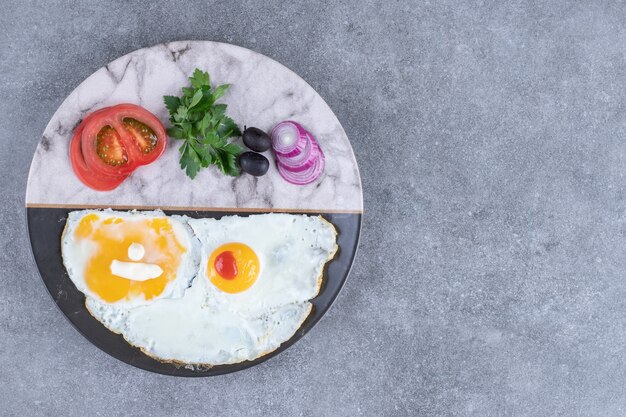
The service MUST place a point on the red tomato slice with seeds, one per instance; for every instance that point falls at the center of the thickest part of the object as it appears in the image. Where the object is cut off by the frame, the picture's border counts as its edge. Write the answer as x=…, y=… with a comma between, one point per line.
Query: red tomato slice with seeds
x=110, y=143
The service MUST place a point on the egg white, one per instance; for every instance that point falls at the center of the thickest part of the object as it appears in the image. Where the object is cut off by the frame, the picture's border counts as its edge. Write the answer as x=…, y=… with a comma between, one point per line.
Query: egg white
x=190, y=330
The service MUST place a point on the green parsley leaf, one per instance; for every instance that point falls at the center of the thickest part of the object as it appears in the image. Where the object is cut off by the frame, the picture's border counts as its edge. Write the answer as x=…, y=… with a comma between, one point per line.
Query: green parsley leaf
x=220, y=91
x=196, y=98
x=228, y=128
x=188, y=92
x=171, y=103
x=203, y=127
x=176, y=133
x=189, y=160
x=200, y=79
x=181, y=114
x=204, y=124
x=233, y=148
x=218, y=112
x=227, y=162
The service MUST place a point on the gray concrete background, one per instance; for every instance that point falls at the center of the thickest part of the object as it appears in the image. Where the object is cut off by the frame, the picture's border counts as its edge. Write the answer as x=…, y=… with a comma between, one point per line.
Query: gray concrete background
x=490, y=277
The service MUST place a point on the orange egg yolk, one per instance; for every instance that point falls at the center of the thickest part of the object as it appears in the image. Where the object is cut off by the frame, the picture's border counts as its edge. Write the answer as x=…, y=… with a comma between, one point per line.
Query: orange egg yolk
x=110, y=239
x=233, y=267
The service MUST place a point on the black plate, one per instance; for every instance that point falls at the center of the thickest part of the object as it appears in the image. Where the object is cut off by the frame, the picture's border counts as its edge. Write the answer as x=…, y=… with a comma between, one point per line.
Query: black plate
x=45, y=226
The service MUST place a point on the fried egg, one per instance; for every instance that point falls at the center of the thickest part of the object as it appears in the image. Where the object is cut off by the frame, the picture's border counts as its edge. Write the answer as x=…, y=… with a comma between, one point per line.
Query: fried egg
x=280, y=258
x=250, y=292
x=129, y=258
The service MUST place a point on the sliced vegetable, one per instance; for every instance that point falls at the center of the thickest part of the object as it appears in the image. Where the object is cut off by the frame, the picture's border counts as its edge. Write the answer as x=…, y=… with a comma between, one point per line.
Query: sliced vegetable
x=110, y=143
x=84, y=173
x=143, y=135
x=299, y=158
x=306, y=176
x=109, y=147
x=304, y=165
x=288, y=137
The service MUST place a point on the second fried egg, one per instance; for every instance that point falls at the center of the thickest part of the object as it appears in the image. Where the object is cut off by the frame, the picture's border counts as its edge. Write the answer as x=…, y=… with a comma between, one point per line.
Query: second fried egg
x=278, y=258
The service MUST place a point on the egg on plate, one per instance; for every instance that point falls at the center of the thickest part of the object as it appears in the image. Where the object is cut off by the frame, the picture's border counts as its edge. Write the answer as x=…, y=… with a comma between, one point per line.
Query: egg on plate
x=249, y=293
x=279, y=259
x=129, y=258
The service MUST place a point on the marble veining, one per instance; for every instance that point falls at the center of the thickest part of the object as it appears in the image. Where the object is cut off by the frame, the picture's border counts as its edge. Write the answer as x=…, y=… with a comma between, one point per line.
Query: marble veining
x=263, y=93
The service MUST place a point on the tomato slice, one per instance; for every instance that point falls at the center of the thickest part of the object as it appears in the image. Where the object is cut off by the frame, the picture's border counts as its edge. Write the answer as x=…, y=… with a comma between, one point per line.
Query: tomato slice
x=109, y=147
x=143, y=135
x=110, y=143
x=83, y=172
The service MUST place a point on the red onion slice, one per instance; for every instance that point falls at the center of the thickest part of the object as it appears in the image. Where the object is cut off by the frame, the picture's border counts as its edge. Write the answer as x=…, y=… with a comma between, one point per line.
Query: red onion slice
x=288, y=137
x=302, y=178
x=306, y=176
x=310, y=152
x=301, y=147
x=300, y=166
x=299, y=158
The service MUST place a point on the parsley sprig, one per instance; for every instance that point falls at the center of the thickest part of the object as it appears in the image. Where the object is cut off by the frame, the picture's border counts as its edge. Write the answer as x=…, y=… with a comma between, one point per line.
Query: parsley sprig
x=203, y=127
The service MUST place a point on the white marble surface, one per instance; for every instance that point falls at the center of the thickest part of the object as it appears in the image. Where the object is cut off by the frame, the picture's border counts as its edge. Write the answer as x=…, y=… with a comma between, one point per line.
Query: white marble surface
x=263, y=93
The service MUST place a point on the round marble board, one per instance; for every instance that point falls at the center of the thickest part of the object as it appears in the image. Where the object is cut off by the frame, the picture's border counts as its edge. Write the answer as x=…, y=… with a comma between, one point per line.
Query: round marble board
x=262, y=93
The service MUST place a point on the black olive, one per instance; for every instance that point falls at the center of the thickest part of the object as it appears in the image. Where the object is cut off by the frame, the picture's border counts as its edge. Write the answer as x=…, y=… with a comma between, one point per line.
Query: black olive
x=256, y=139
x=254, y=163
